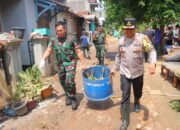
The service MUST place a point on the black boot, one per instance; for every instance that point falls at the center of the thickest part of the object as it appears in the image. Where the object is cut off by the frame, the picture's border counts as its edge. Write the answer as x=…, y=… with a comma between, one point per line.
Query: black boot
x=68, y=101
x=125, y=110
x=137, y=105
x=74, y=104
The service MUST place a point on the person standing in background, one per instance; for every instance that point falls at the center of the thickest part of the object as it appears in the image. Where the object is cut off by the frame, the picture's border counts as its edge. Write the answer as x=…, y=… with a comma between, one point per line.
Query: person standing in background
x=177, y=35
x=150, y=33
x=157, y=41
x=85, y=45
x=99, y=39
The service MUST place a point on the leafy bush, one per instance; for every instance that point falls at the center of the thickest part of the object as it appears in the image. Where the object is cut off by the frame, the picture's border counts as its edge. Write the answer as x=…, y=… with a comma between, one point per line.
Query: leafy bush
x=29, y=85
x=175, y=105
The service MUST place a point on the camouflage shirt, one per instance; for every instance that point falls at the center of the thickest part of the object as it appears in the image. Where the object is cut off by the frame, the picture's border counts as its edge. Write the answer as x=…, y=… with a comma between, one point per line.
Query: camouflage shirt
x=64, y=51
x=99, y=38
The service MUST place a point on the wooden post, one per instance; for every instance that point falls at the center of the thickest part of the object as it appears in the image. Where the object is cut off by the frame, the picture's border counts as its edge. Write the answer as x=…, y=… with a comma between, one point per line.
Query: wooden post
x=166, y=74
x=175, y=81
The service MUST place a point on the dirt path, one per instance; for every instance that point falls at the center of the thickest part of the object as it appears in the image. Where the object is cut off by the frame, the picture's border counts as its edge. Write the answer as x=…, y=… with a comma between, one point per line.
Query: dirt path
x=52, y=114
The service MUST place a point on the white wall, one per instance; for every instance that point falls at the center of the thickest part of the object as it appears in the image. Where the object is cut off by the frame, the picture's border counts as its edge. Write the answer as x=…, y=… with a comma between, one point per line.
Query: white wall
x=71, y=21
x=87, y=5
x=52, y=25
x=87, y=25
x=78, y=5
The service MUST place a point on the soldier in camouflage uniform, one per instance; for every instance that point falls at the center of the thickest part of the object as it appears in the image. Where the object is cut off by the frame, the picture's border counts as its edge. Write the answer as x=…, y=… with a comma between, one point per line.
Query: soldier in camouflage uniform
x=67, y=50
x=99, y=39
x=129, y=62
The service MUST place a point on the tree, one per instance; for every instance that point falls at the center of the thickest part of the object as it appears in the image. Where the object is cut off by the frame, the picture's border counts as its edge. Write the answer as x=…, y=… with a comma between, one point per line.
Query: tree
x=117, y=10
x=154, y=12
x=161, y=13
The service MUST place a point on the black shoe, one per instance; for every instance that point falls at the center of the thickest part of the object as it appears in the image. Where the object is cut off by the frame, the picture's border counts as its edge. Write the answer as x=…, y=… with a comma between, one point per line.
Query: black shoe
x=137, y=108
x=68, y=101
x=137, y=105
x=74, y=104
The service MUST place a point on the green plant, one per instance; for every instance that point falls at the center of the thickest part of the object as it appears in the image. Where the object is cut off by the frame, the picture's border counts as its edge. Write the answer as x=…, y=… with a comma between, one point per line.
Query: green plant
x=29, y=85
x=175, y=105
x=17, y=94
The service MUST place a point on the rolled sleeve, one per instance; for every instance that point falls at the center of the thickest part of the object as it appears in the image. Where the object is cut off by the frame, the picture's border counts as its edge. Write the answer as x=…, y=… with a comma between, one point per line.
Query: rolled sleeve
x=152, y=56
x=51, y=43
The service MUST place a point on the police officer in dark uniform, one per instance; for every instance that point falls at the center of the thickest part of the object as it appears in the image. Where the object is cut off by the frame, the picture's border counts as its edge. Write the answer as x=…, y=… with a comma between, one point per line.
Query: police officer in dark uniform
x=129, y=62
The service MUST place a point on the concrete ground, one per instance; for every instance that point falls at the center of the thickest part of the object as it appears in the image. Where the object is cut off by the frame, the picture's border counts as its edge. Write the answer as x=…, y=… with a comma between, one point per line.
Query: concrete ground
x=52, y=114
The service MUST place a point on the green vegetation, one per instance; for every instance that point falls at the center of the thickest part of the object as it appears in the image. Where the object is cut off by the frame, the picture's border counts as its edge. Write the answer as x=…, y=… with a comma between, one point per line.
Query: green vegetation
x=158, y=12
x=149, y=12
x=29, y=85
x=175, y=105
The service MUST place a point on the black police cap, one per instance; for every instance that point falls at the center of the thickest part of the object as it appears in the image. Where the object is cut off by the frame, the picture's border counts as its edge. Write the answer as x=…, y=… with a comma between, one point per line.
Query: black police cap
x=129, y=23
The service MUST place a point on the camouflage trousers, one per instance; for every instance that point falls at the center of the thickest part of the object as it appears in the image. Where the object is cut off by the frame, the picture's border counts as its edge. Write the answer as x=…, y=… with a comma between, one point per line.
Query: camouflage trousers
x=67, y=71
x=100, y=53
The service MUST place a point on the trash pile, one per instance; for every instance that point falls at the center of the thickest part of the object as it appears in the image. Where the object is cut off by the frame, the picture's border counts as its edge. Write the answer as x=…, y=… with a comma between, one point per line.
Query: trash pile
x=35, y=35
x=8, y=37
x=90, y=75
